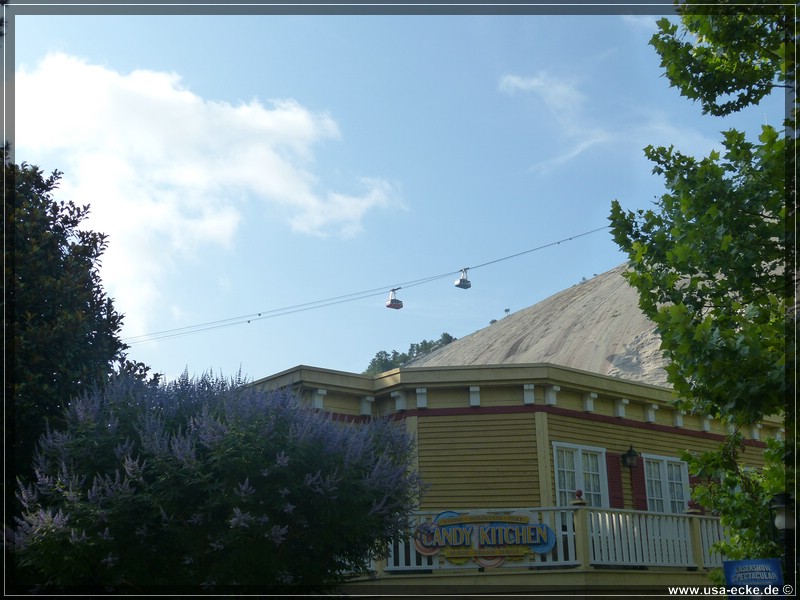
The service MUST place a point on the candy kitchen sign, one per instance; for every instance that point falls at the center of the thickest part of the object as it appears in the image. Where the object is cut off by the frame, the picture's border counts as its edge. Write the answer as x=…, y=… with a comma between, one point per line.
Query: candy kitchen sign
x=487, y=539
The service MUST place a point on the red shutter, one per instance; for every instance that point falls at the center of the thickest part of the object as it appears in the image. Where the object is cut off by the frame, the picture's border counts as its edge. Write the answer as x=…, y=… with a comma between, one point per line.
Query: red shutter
x=616, y=497
x=639, y=486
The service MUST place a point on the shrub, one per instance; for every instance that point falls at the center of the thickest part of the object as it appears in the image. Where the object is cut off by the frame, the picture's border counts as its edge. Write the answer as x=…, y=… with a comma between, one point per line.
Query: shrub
x=208, y=483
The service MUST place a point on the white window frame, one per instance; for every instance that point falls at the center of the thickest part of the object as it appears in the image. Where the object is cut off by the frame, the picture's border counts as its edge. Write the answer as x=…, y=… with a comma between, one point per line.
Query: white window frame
x=667, y=498
x=579, y=482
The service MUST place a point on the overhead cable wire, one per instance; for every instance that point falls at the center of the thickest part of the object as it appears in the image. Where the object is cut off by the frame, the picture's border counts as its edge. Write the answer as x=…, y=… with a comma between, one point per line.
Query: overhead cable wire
x=251, y=316
x=277, y=312
x=574, y=237
x=163, y=335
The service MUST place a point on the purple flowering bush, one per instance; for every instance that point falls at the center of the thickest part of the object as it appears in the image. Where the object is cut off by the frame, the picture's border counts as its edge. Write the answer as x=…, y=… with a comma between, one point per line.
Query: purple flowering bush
x=208, y=483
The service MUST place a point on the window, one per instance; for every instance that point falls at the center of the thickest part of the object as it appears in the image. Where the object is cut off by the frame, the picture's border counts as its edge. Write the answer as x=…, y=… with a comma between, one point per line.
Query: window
x=580, y=468
x=667, y=484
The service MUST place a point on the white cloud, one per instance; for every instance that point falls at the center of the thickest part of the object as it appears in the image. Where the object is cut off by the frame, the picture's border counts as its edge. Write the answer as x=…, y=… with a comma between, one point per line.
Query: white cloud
x=578, y=131
x=566, y=104
x=561, y=97
x=577, y=148
x=644, y=23
x=166, y=171
x=654, y=128
x=346, y=211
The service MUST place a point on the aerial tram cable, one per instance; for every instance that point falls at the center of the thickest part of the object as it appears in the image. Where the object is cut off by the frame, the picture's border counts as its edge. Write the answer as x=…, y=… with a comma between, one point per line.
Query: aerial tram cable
x=279, y=312
x=569, y=239
x=462, y=282
x=264, y=314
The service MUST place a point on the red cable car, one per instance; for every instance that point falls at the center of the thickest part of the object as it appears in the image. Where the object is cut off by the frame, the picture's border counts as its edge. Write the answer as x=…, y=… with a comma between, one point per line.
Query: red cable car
x=393, y=302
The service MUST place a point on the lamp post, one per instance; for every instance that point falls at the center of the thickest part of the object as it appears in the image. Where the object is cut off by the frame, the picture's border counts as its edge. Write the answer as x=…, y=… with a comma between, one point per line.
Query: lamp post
x=782, y=506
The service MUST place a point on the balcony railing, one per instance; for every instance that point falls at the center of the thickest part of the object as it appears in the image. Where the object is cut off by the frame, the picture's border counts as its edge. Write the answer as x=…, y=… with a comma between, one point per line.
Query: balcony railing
x=584, y=537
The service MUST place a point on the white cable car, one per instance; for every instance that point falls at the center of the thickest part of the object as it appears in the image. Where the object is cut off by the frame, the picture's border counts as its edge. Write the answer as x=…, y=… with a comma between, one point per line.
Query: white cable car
x=393, y=302
x=462, y=281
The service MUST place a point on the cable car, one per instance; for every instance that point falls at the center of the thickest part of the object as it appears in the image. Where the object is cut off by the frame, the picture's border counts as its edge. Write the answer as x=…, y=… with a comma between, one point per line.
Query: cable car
x=462, y=281
x=393, y=302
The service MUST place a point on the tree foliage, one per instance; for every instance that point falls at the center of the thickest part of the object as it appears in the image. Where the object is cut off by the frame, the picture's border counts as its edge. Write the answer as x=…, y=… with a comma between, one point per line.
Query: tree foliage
x=385, y=361
x=741, y=497
x=710, y=262
x=713, y=262
x=63, y=328
x=709, y=265
x=209, y=483
x=727, y=57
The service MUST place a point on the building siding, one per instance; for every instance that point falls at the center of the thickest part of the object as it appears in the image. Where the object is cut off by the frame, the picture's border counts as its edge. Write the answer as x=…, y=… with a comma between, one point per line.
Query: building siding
x=616, y=439
x=478, y=461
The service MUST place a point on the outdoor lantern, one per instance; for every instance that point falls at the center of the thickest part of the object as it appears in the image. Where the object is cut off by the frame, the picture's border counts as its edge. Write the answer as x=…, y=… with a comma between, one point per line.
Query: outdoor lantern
x=631, y=458
x=782, y=506
x=784, y=515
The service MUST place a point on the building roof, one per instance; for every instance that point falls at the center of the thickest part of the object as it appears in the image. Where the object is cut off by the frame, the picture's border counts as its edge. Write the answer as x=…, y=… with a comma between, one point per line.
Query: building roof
x=594, y=326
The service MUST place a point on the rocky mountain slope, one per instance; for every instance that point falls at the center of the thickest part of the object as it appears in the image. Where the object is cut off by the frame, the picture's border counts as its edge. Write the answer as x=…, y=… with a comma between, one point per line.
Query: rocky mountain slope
x=594, y=326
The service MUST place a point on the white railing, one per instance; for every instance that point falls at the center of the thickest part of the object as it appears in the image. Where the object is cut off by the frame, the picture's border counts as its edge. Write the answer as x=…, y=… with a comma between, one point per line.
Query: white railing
x=403, y=556
x=618, y=537
x=588, y=537
x=711, y=532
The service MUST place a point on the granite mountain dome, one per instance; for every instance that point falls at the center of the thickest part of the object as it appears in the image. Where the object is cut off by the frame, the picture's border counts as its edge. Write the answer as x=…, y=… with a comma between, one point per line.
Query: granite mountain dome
x=594, y=326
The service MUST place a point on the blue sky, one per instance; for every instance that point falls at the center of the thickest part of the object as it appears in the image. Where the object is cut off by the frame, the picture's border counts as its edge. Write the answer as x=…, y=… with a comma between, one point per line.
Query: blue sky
x=245, y=164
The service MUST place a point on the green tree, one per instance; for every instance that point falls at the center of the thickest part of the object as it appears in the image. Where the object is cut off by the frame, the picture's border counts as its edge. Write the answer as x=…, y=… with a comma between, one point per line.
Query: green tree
x=725, y=57
x=741, y=496
x=62, y=327
x=211, y=486
x=713, y=262
x=384, y=361
x=709, y=265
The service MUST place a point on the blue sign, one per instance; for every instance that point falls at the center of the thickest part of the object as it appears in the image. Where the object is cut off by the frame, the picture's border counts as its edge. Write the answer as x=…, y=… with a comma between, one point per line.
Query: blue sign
x=755, y=578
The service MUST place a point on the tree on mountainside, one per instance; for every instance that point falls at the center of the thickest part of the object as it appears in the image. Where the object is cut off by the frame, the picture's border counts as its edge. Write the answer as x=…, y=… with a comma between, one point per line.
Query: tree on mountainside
x=714, y=261
x=63, y=330
x=384, y=361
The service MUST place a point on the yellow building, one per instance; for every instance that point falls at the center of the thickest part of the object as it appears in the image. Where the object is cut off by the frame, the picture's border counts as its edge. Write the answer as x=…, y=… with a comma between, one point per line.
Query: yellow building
x=525, y=461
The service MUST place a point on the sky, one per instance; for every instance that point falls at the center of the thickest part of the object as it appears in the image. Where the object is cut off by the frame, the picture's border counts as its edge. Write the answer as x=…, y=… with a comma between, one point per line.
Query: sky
x=265, y=180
